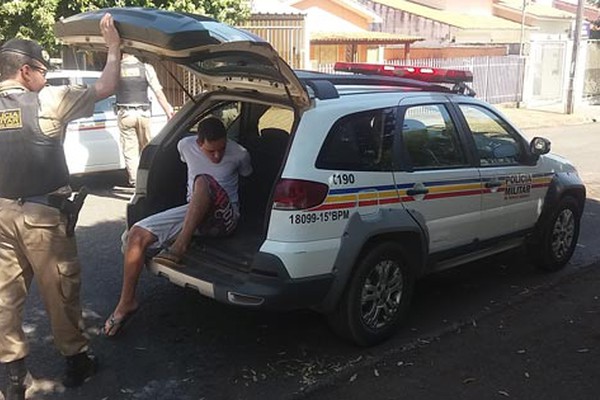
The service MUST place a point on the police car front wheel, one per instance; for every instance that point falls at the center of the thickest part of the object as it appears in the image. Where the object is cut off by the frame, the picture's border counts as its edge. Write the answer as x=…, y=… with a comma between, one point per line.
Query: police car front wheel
x=377, y=298
x=558, y=237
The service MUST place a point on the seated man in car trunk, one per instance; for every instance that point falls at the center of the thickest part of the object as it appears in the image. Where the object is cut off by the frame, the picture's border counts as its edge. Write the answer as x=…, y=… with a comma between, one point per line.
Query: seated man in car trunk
x=214, y=164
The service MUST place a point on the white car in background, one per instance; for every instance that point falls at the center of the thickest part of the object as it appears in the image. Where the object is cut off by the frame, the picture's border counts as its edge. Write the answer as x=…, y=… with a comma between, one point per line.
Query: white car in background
x=92, y=144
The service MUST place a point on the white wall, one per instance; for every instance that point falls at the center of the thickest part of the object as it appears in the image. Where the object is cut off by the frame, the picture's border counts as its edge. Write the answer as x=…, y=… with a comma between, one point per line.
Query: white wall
x=319, y=20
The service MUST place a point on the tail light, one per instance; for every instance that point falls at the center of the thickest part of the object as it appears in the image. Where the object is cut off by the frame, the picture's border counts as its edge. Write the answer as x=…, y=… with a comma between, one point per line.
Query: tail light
x=296, y=194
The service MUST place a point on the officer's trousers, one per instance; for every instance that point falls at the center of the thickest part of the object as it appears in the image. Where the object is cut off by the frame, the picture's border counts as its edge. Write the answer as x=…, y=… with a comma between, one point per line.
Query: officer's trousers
x=134, y=127
x=33, y=243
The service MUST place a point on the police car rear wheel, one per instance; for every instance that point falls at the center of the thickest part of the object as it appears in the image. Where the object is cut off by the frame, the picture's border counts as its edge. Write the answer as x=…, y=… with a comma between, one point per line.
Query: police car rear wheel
x=377, y=297
x=559, y=237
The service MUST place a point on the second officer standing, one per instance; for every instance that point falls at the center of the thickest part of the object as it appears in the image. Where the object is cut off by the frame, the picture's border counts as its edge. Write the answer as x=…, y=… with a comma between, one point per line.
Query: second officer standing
x=134, y=109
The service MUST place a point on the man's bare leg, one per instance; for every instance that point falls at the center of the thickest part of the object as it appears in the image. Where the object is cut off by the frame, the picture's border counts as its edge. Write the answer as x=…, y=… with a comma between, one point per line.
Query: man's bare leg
x=196, y=212
x=138, y=240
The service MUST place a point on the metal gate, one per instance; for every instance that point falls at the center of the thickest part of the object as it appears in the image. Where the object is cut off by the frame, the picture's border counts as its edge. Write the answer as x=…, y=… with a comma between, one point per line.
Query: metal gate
x=548, y=72
x=285, y=32
x=591, y=84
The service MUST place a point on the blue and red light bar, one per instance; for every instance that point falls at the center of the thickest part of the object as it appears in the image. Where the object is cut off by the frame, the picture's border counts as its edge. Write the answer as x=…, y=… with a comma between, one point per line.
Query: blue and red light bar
x=424, y=74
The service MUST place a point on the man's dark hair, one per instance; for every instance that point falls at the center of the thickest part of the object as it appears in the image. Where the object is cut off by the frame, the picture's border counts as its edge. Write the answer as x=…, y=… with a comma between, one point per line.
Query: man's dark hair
x=211, y=129
x=10, y=64
x=15, y=52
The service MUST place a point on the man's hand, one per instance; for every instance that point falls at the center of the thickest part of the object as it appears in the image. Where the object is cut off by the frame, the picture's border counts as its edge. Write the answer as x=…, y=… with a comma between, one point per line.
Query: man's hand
x=109, y=31
x=107, y=83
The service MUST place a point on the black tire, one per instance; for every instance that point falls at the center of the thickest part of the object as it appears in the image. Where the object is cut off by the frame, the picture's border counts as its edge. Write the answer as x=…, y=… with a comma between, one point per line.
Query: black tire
x=558, y=236
x=367, y=319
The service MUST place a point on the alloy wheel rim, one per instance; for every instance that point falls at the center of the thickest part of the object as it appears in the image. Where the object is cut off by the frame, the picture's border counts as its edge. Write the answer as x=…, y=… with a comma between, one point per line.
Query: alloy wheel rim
x=563, y=234
x=381, y=294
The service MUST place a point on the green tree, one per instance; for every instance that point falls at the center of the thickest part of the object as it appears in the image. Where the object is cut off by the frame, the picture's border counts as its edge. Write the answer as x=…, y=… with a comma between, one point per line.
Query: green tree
x=28, y=19
x=34, y=19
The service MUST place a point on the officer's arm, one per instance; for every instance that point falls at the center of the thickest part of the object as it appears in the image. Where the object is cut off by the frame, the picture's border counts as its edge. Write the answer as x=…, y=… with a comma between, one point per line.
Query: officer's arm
x=164, y=103
x=107, y=83
x=152, y=79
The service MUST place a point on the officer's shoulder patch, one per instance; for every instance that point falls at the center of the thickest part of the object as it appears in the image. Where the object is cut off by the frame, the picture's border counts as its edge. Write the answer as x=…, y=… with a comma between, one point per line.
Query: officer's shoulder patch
x=11, y=119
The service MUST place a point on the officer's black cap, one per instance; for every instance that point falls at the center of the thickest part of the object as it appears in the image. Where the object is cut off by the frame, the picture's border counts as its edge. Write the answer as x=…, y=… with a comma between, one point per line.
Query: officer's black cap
x=27, y=48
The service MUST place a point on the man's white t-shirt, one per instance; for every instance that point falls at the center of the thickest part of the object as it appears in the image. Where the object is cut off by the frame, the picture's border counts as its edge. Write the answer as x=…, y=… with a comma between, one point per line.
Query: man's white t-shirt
x=235, y=162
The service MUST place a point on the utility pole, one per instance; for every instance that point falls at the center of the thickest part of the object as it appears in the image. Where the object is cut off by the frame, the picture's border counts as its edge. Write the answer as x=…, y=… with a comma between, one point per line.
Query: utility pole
x=521, y=38
x=521, y=52
x=574, y=57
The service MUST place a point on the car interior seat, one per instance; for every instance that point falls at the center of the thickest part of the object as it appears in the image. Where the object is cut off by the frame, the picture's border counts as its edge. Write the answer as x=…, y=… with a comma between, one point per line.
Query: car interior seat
x=274, y=141
x=266, y=156
x=416, y=138
x=342, y=149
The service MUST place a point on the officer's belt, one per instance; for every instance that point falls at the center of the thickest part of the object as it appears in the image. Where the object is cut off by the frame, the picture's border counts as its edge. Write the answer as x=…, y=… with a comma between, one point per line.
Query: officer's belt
x=62, y=203
x=68, y=207
x=143, y=107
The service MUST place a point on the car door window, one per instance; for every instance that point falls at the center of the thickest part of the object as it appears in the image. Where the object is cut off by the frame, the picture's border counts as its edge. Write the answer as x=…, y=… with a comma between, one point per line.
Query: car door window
x=360, y=142
x=431, y=139
x=496, y=143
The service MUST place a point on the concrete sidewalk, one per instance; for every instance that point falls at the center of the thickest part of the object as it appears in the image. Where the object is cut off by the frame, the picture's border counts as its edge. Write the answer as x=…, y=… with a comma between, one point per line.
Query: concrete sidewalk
x=527, y=118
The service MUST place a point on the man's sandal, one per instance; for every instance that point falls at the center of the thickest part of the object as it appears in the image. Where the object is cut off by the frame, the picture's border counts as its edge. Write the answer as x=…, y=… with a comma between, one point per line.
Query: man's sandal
x=168, y=259
x=113, y=325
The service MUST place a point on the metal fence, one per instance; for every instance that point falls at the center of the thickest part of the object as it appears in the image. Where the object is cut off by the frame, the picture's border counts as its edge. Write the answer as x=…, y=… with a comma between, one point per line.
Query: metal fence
x=496, y=79
x=591, y=85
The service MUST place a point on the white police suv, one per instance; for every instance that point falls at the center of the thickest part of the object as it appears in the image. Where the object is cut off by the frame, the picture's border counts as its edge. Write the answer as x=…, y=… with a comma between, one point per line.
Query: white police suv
x=363, y=182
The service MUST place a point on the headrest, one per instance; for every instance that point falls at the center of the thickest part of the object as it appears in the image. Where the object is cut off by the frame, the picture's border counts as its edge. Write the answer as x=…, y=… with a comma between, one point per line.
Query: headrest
x=274, y=134
x=413, y=125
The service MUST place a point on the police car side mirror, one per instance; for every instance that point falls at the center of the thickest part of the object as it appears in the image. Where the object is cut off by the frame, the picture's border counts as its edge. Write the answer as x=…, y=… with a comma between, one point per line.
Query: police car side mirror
x=539, y=146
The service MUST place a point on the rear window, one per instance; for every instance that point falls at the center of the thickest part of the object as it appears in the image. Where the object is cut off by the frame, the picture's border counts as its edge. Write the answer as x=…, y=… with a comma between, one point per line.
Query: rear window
x=360, y=142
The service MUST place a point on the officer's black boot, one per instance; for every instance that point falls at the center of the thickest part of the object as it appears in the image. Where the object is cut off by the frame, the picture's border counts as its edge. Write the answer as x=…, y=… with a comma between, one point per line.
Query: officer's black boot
x=16, y=372
x=80, y=368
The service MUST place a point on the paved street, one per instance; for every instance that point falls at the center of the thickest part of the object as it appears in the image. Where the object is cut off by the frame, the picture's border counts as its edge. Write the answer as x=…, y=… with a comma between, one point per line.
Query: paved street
x=183, y=346
x=544, y=345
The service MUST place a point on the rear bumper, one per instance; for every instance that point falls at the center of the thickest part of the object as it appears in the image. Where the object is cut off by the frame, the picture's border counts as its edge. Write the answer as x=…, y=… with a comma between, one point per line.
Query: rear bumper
x=265, y=285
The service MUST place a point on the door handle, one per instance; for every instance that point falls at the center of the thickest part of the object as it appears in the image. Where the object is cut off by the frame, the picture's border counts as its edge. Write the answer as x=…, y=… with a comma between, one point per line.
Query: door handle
x=493, y=184
x=418, y=191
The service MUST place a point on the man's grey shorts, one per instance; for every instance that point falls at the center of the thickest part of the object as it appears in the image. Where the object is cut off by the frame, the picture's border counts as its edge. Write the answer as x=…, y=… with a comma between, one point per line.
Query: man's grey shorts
x=221, y=218
x=167, y=224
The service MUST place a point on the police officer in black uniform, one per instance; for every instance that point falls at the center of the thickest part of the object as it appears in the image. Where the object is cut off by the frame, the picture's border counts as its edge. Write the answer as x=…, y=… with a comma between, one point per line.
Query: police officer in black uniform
x=36, y=215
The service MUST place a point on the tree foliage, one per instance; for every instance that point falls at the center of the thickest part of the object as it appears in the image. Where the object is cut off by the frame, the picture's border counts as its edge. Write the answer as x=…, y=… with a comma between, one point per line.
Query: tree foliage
x=34, y=19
